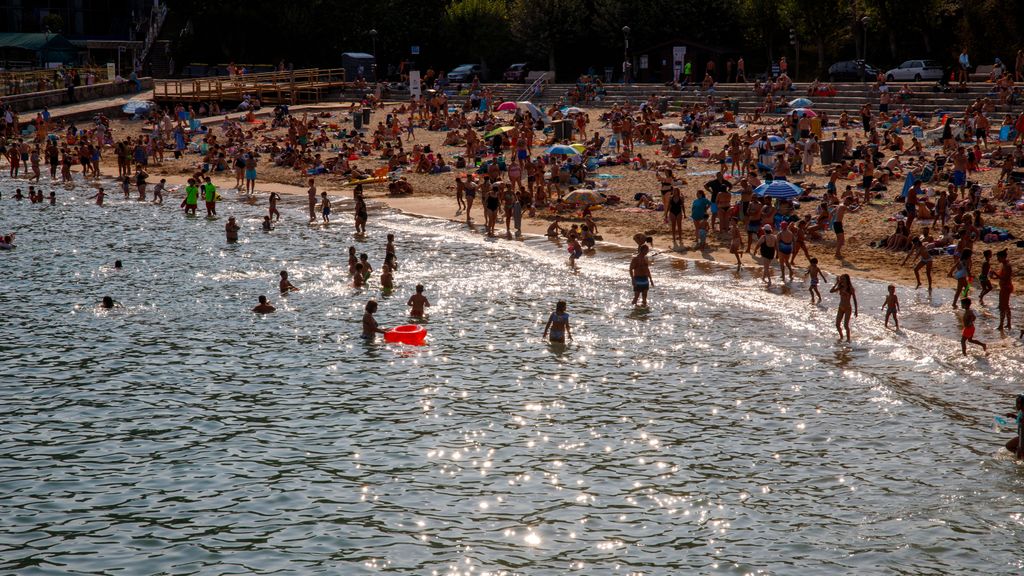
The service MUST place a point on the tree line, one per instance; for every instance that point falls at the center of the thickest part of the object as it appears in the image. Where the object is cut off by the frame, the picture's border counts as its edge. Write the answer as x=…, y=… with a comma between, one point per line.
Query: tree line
x=573, y=36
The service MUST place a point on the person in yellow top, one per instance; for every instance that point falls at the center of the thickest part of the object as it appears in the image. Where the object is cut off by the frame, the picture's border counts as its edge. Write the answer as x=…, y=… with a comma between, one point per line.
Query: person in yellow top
x=191, y=197
x=210, y=196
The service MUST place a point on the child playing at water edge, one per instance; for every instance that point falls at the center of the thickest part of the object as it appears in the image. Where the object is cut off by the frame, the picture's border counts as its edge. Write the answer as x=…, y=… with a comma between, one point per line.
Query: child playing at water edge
x=418, y=302
x=736, y=242
x=285, y=285
x=1016, y=445
x=370, y=327
x=967, y=335
x=813, y=272
x=558, y=324
x=891, y=306
x=357, y=276
x=846, y=292
x=325, y=207
x=986, y=272
x=575, y=250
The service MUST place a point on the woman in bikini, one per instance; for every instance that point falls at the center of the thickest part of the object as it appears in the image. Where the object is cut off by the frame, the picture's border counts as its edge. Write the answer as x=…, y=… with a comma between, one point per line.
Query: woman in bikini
x=846, y=293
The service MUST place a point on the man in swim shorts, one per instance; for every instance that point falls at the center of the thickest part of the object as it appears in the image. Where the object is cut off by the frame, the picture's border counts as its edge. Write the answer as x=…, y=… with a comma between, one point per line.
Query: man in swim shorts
x=640, y=274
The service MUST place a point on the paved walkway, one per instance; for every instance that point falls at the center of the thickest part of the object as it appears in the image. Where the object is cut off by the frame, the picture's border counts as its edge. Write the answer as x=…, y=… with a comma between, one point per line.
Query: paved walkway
x=90, y=106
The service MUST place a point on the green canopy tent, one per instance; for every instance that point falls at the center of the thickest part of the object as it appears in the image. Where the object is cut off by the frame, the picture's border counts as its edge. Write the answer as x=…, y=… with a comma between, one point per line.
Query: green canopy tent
x=36, y=48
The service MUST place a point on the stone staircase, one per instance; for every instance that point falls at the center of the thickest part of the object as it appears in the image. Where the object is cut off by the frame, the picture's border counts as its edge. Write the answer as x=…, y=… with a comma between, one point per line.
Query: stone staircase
x=850, y=97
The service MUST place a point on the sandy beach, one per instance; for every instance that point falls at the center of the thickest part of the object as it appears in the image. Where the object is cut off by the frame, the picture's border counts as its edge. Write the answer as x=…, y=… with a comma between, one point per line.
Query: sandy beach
x=434, y=196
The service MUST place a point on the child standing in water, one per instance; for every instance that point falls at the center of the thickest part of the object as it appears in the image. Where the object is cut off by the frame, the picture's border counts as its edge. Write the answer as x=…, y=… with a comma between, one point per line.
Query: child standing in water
x=891, y=306
x=575, y=250
x=389, y=251
x=986, y=272
x=846, y=292
x=387, y=280
x=418, y=302
x=357, y=276
x=558, y=324
x=325, y=207
x=814, y=273
x=967, y=335
x=736, y=242
x=370, y=326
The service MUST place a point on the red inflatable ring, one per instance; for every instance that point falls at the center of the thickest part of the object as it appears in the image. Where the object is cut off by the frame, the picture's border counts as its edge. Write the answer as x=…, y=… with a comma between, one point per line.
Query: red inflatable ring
x=407, y=334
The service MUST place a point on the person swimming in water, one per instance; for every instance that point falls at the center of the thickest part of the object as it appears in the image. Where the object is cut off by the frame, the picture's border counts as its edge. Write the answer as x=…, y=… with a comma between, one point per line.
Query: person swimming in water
x=370, y=326
x=558, y=324
x=231, y=230
x=264, y=307
x=108, y=303
x=285, y=285
x=418, y=302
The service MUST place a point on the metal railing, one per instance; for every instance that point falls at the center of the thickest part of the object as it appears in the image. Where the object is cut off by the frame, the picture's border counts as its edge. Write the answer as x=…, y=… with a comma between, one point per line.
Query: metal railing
x=269, y=87
x=533, y=87
x=28, y=81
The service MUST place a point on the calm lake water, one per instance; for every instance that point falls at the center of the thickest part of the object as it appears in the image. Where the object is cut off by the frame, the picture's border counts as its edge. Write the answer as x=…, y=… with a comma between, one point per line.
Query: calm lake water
x=722, y=431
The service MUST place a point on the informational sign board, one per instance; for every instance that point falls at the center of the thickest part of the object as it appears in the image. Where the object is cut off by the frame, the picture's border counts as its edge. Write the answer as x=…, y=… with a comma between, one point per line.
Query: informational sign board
x=415, y=88
x=111, y=71
x=415, y=50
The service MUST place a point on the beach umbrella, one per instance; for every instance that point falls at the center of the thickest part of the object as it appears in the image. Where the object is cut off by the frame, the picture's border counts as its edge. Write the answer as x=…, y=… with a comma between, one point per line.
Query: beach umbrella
x=579, y=148
x=532, y=109
x=497, y=131
x=778, y=189
x=776, y=140
x=584, y=197
x=806, y=112
x=801, y=103
x=572, y=110
x=507, y=107
x=673, y=127
x=562, y=149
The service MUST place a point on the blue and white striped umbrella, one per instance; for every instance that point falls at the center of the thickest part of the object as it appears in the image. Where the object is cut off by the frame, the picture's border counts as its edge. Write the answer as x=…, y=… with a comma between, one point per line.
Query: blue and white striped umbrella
x=778, y=189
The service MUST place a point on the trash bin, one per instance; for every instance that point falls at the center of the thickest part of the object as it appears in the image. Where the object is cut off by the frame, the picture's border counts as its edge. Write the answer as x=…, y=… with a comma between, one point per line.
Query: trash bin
x=734, y=105
x=608, y=73
x=663, y=104
x=366, y=116
x=831, y=151
x=357, y=119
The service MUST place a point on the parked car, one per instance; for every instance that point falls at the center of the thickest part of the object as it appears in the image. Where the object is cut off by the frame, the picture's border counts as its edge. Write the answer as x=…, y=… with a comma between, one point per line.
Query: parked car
x=517, y=72
x=916, y=70
x=851, y=70
x=465, y=73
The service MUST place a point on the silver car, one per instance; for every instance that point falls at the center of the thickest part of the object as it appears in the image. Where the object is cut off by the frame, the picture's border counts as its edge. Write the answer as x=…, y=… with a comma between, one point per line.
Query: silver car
x=916, y=71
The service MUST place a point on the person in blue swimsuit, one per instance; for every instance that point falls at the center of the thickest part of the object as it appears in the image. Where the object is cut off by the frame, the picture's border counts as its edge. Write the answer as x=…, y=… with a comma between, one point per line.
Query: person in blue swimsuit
x=557, y=327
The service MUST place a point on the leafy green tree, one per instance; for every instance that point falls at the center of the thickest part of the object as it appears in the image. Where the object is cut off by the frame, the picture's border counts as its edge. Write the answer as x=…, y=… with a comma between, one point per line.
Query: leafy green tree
x=479, y=25
x=545, y=27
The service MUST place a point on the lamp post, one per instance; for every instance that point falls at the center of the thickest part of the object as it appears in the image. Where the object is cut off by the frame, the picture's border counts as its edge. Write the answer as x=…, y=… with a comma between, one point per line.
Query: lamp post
x=373, y=36
x=864, y=61
x=625, y=55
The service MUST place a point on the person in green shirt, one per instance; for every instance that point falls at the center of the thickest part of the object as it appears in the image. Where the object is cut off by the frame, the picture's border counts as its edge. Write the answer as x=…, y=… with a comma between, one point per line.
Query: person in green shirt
x=191, y=197
x=210, y=196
